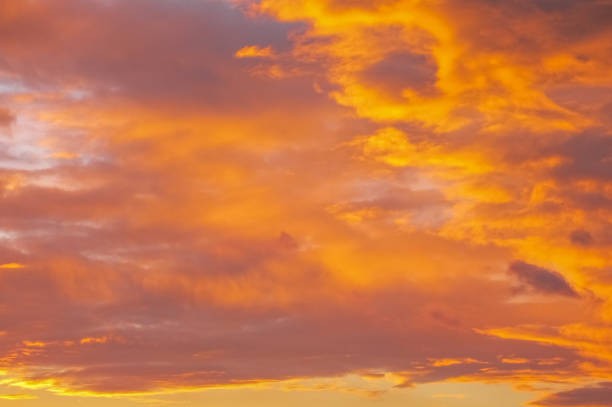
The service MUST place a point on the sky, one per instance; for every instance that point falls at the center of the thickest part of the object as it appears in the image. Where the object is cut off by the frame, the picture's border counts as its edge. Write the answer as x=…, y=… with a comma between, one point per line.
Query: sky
x=306, y=202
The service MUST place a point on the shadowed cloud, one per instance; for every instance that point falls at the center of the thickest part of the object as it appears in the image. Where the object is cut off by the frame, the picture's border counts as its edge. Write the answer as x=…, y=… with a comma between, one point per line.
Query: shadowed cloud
x=599, y=395
x=541, y=280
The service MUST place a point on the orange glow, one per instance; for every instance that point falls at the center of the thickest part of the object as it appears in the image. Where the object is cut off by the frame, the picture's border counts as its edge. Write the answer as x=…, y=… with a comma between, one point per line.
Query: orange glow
x=301, y=202
x=11, y=266
x=253, y=51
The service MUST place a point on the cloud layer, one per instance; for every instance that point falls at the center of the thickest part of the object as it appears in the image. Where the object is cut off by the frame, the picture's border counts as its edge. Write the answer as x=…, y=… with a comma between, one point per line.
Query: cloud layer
x=198, y=194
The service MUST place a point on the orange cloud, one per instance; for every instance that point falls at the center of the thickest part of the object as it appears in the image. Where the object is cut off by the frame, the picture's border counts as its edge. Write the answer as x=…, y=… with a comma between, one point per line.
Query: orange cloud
x=387, y=195
x=17, y=396
x=251, y=51
x=11, y=266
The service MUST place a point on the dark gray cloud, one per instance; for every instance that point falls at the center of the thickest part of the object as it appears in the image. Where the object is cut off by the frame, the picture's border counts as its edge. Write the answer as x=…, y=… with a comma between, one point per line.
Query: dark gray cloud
x=541, y=280
x=593, y=396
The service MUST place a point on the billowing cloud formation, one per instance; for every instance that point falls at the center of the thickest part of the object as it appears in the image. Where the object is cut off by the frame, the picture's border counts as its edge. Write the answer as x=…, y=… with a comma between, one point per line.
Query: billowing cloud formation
x=236, y=193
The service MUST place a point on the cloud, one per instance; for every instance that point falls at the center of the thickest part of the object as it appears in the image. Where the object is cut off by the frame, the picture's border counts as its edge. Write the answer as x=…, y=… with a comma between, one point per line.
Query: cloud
x=252, y=51
x=6, y=117
x=541, y=280
x=17, y=396
x=589, y=156
x=177, y=61
x=599, y=395
x=400, y=71
x=581, y=237
x=343, y=203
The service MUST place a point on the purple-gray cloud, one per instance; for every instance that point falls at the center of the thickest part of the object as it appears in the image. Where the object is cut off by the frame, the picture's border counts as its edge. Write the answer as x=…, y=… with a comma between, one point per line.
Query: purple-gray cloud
x=541, y=280
x=599, y=395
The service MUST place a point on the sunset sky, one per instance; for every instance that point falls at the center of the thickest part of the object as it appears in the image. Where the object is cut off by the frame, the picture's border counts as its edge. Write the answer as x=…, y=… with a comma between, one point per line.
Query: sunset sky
x=272, y=203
